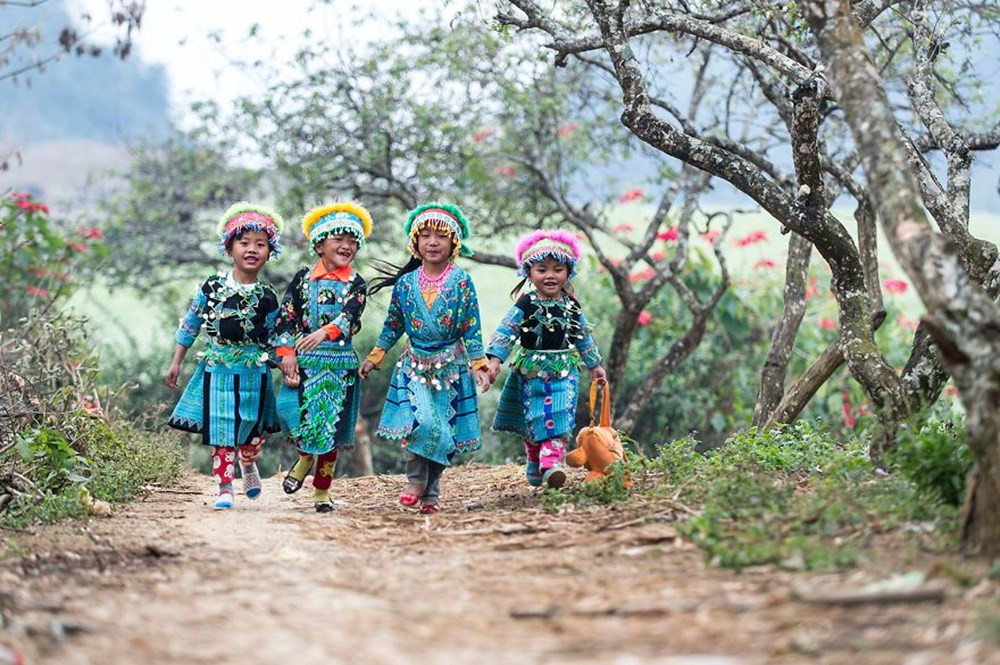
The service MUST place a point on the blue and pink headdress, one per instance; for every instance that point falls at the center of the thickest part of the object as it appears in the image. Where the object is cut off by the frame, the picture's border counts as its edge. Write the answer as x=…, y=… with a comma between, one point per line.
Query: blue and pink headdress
x=563, y=246
x=341, y=218
x=245, y=216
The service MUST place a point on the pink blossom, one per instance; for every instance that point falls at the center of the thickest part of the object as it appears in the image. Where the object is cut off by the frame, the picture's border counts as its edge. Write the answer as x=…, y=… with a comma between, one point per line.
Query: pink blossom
x=623, y=228
x=711, y=236
x=827, y=324
x=763, y=264
x=483, y=134
x=36, y=291
x=568, y=129
x=752, y=238
x=77, y=247
x=907, y=324
x=92, y=233
x=895, y=286
x=20, y=195
x=658, y=256
x=812, y=291
x=633, y=194
x=645, y=318
x=505, y=170
x=669, y=235
x=642, y=275
x=23, y=204
x=38, y=207
x=952, y=391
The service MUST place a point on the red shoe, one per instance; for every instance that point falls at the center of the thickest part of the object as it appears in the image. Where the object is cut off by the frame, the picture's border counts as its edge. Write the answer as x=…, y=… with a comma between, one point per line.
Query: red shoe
x=430, y=508
x=409, y=500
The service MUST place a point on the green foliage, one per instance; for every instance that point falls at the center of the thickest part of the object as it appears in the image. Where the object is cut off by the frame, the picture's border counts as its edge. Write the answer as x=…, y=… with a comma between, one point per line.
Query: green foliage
x=608, y=490
x=931, y=451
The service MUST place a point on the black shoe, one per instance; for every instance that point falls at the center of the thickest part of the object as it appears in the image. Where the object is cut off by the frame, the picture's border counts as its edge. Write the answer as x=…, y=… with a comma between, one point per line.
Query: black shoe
x=324, y=507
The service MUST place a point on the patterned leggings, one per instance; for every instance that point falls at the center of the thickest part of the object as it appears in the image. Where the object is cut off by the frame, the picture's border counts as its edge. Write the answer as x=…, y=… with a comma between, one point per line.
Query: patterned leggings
x=325, y=465
x=548, y=453
x=224, y=459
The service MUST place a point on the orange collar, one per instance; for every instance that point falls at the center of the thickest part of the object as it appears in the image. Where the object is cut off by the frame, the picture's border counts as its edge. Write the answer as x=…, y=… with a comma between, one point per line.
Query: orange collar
x=319, y=271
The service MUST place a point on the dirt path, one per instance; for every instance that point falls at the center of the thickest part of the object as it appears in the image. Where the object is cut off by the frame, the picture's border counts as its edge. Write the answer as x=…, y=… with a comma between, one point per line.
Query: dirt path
x=491, y=580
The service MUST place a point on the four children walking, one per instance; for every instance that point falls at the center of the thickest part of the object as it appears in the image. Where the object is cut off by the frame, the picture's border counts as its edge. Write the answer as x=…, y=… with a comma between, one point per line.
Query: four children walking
x=431, y=406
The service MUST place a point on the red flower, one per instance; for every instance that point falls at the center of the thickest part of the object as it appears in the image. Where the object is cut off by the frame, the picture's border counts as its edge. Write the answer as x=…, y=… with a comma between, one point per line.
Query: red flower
x=20, y=195
x=848, y=418
x=895, y=286
x=711, y=236
x=38, y=207
x=623, y=228
x=505, y=170
x=483, y=134
x=92, y=233
x=631, y=195
x=827, y=324
x=670, y=235
x=763, y=263
x=752, y=238
x=568, y=129
x=76, y=246
x=36, y=291
x=645, y=318
x=812, y=291
x=23, y=204
x=658, y=256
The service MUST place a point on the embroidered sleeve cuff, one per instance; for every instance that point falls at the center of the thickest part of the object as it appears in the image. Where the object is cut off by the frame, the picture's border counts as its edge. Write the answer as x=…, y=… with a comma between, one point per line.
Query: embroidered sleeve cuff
x=376, y=357
x=480, y=364
x=283, y=351
x=332, y=331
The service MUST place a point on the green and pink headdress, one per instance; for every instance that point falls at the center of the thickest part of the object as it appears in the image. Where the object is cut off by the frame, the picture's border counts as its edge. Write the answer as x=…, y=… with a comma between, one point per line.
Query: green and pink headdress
x=245, y=216
x=563, y=246
x=445, y=217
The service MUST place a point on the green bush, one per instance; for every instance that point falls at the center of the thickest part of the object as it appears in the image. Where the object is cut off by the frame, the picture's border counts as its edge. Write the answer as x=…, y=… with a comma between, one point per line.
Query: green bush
x=931, y=451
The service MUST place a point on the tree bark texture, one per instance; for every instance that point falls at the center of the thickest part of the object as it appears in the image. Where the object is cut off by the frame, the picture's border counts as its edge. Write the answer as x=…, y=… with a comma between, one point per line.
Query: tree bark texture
x=961, y=318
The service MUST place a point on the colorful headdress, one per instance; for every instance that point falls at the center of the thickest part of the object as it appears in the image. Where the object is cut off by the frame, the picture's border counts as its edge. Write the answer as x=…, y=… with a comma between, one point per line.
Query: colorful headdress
x=539, y=245
x=245, y=216
x=342, y=217
x=445, y=217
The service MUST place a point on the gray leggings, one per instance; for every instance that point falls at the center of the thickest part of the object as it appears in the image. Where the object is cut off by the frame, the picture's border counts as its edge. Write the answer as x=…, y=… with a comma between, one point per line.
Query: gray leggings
x=422, y=471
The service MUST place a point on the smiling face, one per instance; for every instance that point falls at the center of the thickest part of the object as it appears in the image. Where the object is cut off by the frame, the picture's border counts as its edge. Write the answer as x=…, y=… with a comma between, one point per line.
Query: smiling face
x=549, y=277
x=434, y=246
x=250, y=251
x=337, y=250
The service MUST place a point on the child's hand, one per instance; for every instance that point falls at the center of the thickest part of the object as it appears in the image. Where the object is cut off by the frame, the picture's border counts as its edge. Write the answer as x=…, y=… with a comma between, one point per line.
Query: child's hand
x=494, y=369
x=311, y=341
x=290, y=368
x=598, y=374
x=483, y=379
x=366, y=369
x=173, y=372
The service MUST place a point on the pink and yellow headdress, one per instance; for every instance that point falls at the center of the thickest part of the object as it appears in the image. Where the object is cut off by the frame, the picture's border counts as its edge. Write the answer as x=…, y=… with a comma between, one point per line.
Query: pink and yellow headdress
x=245, y=216
x=445, y=217
x=343, y=217
x=563, y=246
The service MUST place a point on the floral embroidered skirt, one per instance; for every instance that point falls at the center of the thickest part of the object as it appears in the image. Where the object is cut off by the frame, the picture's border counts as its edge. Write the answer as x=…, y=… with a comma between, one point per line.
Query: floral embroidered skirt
x=228, y=406
x=432, y=404
x=322, y=411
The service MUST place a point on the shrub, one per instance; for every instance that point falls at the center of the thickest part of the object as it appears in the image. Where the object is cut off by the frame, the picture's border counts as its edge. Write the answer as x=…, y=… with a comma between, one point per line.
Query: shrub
x=931, y=451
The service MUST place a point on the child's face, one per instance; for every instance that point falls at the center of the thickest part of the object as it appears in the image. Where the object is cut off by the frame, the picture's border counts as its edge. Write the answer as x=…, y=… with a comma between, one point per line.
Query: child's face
x=434, y=246
x=338, y=250
x=549, y=277
x=250, y=251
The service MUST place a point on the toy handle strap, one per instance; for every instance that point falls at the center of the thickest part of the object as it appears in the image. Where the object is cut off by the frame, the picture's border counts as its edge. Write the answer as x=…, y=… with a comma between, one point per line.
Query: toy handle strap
x=605, y=402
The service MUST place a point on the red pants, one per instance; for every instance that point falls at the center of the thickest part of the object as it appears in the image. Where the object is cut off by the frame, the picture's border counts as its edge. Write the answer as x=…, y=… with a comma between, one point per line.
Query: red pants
x=325, y=465
x=224, y=459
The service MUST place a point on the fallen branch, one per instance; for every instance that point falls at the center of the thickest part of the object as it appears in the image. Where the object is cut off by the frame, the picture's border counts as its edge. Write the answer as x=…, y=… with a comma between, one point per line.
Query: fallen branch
x=935, y=594
x=505, y=530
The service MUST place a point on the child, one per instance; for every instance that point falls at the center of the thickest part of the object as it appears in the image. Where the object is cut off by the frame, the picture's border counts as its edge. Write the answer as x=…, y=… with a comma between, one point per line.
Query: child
x=539, y=397
x=229, y=400
x=432, y=404
x=320, y=313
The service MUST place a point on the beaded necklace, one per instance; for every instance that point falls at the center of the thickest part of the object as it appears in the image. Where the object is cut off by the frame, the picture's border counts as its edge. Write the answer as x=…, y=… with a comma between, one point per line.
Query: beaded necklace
x=428, y=283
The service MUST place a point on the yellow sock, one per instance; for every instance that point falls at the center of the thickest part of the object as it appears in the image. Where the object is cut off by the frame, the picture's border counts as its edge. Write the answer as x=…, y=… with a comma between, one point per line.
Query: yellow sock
x=302, y=467
x=321, y=496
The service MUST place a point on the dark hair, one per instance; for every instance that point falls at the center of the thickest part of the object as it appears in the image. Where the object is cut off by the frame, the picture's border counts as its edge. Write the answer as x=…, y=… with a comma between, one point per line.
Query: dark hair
x=390, y=273
x=242, y=232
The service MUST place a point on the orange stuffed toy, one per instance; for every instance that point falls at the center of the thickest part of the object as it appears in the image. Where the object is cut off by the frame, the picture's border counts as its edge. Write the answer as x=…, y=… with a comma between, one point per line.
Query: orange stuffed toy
x=598, y=447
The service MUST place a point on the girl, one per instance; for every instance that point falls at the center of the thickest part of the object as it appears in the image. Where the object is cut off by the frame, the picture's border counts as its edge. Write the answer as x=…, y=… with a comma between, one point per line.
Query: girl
x=432, y=404
x=229, y=400
x=320, y=314
x=539, y=397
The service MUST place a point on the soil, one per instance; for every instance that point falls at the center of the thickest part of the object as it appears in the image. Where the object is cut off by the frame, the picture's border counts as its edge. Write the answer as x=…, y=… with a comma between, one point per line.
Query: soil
x=491, y=579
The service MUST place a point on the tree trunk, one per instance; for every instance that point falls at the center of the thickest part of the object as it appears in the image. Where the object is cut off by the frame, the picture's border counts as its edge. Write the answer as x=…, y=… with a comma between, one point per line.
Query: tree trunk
x=361, y=458
x=772, y=378
x=961, y=318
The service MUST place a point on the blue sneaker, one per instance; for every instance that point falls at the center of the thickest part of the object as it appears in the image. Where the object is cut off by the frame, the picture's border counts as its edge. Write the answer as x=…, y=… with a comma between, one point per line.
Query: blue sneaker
x=224, y=501
x=533, y=473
